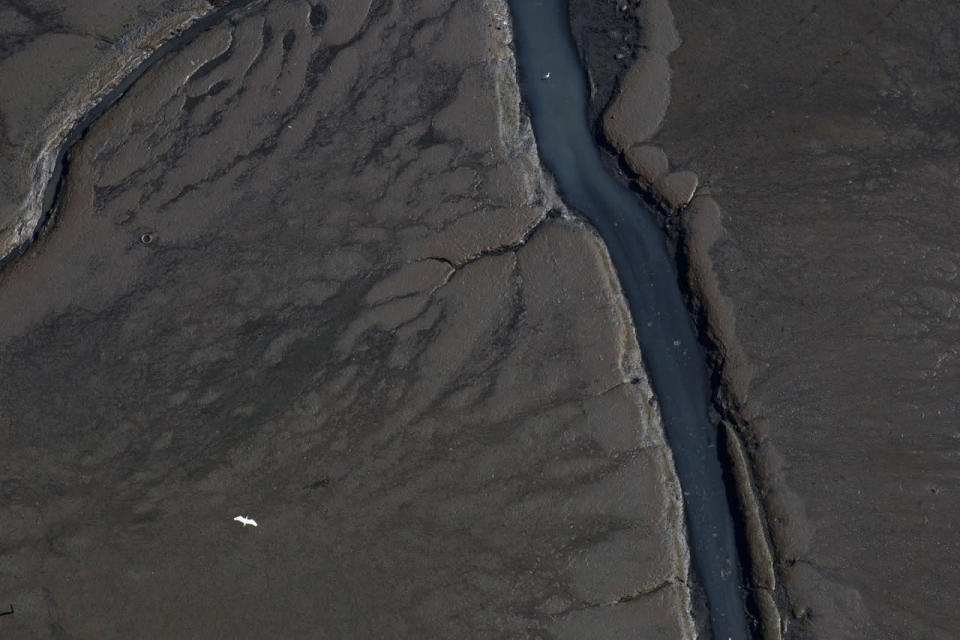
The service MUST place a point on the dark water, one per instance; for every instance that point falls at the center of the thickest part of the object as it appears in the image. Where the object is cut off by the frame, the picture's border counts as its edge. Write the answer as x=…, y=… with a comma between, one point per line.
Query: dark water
x=670, y=350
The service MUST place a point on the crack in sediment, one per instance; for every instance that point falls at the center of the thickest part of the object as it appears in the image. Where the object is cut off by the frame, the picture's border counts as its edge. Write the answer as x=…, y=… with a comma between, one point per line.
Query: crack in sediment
x=643, y=593
x=639, y=594
x=631, y=381
x=502, y=249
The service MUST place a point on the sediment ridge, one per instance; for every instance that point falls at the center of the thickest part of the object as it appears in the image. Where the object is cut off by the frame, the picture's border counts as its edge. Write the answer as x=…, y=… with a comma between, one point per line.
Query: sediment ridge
x=29, y=201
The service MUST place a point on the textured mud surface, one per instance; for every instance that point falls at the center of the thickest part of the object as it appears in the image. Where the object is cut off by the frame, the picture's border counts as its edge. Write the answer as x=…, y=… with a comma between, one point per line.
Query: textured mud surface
x=306, y=271
x=57, y=60
x=824, y=246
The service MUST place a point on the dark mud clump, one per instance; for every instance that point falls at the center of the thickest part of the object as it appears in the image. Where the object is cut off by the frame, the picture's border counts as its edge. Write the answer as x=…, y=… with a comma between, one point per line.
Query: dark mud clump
x=608, y=39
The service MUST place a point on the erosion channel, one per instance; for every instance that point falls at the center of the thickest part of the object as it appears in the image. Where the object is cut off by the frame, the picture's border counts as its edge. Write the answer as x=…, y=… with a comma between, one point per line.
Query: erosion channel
x=554, y=87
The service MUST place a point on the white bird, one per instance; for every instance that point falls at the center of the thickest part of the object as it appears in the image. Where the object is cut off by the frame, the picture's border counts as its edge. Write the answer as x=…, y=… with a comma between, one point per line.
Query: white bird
x=546, y=76
x=244, y=520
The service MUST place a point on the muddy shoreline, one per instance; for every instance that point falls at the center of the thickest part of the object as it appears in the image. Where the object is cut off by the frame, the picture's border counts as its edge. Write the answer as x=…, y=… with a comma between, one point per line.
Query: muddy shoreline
x=608, y=62
x=832, y=342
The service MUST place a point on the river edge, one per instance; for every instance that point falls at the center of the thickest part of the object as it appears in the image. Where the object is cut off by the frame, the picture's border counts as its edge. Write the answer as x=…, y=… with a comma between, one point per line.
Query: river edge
x=692, y=604
x=624, y=85
x=679, y=312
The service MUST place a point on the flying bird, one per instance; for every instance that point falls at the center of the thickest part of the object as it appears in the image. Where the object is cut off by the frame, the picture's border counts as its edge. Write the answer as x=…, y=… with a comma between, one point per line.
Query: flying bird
x=244, y=520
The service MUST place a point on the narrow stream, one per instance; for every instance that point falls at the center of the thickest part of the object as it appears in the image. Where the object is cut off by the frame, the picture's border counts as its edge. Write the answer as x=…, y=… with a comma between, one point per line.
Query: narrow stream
x=671, y=354
x=637, y=247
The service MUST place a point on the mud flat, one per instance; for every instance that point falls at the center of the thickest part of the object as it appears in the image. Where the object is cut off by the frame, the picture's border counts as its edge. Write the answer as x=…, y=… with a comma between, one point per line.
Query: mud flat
x=59, y=61
x=307, y=270
x=821, y=241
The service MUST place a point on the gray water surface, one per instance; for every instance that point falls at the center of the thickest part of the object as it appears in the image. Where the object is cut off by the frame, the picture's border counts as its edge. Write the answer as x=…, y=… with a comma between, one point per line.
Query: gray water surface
x=637, y=246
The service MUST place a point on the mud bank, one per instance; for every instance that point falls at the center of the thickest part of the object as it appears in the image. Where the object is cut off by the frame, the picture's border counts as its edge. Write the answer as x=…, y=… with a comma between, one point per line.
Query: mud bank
x=312, y=273
x=819, y=245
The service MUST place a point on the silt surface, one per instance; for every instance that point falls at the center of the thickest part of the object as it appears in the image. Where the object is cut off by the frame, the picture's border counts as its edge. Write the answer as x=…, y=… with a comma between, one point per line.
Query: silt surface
x=307, y=270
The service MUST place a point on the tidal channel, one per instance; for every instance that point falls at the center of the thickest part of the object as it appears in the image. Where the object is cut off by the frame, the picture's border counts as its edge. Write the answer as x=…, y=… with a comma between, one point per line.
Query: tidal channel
x=671, y=354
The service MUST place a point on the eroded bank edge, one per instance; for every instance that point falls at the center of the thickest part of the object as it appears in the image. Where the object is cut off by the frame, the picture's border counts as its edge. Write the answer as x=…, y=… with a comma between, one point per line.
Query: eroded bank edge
x=516, y=132
x=693, y=222
x=95, y=94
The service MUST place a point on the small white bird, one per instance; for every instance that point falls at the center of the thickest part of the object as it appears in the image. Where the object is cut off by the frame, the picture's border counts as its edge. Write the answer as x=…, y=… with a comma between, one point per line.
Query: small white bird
x=244, y=520
x=546, y=76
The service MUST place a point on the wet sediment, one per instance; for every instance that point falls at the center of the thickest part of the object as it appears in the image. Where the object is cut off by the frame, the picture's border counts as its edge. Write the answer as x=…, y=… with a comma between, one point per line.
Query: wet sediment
x=829, y=290
x=86, y=66
x=308, y=267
